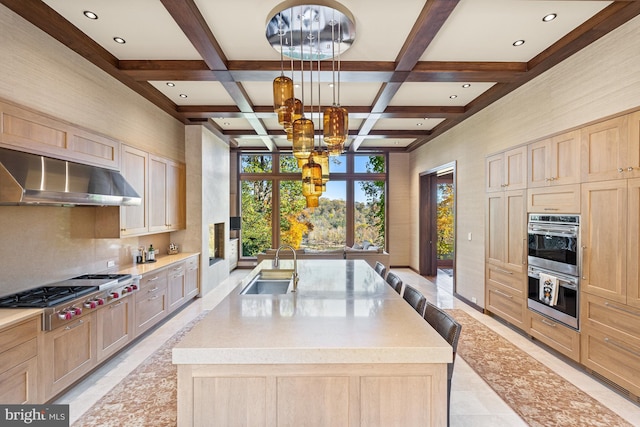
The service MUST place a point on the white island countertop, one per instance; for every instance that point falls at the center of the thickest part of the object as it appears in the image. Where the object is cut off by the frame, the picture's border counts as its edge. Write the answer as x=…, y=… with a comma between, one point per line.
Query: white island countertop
x=343, y=312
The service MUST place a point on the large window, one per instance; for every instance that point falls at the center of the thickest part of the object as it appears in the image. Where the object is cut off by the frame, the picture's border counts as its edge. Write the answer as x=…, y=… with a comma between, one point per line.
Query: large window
x=273, y=209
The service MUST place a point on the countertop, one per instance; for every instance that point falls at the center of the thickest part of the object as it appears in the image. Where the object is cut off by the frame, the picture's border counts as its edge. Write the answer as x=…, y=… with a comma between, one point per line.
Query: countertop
x=343, y=312
x=10, y=316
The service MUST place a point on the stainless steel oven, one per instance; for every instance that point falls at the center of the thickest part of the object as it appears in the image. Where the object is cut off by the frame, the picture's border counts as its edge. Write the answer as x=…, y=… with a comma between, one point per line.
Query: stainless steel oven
x=554, y=242
x=566, y=308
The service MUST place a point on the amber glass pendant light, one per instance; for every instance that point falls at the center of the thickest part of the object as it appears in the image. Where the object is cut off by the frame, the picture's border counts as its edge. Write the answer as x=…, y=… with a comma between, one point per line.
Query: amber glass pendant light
x=312, y=183
x=322, y=158
x=336, y=118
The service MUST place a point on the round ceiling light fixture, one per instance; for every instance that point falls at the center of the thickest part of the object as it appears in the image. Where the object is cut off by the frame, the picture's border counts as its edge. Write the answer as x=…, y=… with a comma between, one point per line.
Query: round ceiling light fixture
x=89, y=14
x=549, y=17
x=518, y=42
x=294, y=20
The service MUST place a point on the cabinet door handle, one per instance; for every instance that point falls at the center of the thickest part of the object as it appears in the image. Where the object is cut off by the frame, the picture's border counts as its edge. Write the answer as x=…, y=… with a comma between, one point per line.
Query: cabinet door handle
x=615, y=307
x=154, y=279
x=152, y=290
x=153, y=297
x=551, y=209
x=504, y=271
x=524, y=251
x=621, y=346
x=503, y=294
x=115, y=305
x=584, y=248
x=630, y=168
x=549, y=323
x=620, y=170
x=70, y=327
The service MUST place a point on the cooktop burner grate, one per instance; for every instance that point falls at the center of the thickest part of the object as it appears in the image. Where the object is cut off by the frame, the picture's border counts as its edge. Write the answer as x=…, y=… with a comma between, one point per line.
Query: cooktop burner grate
x=45, y=296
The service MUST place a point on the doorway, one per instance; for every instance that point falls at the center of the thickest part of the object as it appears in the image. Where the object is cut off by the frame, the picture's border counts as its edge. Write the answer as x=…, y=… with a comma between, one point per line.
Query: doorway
x=437, y=218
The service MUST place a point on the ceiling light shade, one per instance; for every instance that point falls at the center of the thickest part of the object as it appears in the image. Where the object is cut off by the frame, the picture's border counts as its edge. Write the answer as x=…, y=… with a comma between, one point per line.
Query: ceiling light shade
x=303, y=135
x=334, y=126
x=322, y=158
x=282, y=90
x=292, y=111
x=312, y=183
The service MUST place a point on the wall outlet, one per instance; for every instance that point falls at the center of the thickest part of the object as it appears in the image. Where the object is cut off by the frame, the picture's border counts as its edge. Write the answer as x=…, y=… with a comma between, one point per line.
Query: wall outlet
x=111, y=264
x=474, y=300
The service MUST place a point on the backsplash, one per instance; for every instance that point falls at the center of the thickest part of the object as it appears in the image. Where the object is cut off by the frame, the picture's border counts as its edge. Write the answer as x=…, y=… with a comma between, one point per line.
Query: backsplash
x=44, y=244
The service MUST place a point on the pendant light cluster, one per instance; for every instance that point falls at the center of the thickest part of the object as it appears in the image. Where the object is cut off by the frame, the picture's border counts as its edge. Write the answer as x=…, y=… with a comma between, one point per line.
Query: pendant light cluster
x=314, y=32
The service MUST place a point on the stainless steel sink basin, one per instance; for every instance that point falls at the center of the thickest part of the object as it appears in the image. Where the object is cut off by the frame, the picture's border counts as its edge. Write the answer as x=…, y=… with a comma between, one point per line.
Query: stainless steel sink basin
x=269, y=282
x=266, y=287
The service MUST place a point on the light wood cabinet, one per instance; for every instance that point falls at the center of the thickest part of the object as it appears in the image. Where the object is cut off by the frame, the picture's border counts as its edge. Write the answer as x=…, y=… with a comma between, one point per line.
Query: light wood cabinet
x=610, y=343
x=557, y=336
x=604, y=239
x=115, y=327
x=560, y=199
x=37, y=133
x=505, y=295
x=192, y=277
x=70, y=353
x=150, y=301
x=135, y=168
x=506, y=230
x=607, y=152
x=507, y=170
x=166, y=195
x=176, y=287
x=554, y=161
x=19, y=363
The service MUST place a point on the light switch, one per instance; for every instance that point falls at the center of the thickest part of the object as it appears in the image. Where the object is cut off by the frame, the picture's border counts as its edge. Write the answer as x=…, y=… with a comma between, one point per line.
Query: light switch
x=469, y=236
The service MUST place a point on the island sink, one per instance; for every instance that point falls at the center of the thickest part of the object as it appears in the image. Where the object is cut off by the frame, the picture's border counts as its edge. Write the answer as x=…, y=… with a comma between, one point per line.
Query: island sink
x=269, y=282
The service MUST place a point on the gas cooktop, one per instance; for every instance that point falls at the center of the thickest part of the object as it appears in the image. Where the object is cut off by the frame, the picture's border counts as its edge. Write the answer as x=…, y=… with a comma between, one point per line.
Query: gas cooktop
x=45, y=296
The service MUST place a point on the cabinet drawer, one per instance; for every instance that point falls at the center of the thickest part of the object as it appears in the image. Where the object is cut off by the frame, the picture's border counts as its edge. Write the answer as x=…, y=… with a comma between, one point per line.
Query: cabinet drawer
x=19, y=384
x=154, y=279
x=560, y=199
x=611, y=317
x=18, y=354
x=611, y=357
x=192, y=263
x=151, y=307
x=514, y=281
x=557, y=336
x=19, y=333
x=506, y=303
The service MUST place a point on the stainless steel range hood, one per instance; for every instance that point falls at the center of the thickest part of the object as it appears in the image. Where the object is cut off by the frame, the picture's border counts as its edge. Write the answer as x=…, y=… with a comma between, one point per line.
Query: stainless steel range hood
x=32, y=179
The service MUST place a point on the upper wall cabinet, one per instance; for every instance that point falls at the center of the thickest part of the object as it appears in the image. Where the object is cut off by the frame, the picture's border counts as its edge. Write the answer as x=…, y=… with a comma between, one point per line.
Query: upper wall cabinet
x=610, y=149
x=166, y=195
x=37, y=133
x=160, y=183
x=554, y=161
x=507, y=170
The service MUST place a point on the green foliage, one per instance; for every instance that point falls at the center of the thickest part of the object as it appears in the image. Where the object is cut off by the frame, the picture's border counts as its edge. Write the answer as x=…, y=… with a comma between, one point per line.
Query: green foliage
x=445, y=221
x=374, y=214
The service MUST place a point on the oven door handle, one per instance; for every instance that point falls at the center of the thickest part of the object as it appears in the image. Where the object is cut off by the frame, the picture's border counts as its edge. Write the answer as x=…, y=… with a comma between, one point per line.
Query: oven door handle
x=563, y=281
x=555, y=233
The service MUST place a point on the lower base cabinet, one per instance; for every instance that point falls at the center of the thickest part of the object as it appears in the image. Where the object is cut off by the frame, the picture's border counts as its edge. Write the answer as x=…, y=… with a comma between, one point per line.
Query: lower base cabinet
x=610, y=341
x=151, y=301
x=557, y=336
x=115, y=327
x=176, y=291
x=19, y=363
x=505, y=296
x=351, y=395
x=70, y=352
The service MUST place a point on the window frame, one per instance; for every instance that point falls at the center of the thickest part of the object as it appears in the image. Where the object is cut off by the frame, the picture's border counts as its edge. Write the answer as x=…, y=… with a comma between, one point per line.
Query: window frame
x=350, y=176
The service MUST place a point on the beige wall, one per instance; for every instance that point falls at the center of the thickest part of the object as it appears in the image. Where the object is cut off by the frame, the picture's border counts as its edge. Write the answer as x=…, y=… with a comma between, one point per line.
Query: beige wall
x=44, y=244
x=601, y=80
x=399, y=214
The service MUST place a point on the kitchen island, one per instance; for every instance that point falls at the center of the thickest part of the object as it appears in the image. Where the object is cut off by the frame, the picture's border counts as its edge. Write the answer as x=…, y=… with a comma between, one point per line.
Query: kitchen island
x=344, y=350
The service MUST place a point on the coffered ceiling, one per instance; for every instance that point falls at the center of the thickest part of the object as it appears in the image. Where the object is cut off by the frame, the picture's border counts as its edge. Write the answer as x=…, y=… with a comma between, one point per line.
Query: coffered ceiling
x=416, y=69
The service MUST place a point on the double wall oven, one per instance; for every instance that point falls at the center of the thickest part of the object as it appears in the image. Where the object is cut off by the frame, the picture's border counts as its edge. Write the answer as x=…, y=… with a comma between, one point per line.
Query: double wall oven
x=554, y=251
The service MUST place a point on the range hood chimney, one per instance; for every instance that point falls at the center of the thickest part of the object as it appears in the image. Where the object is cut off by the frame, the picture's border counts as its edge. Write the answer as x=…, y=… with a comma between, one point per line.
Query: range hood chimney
x=27, y=179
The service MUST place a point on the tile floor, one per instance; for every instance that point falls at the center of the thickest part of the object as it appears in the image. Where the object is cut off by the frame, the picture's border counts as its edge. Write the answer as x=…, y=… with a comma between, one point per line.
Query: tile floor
x=473, y=402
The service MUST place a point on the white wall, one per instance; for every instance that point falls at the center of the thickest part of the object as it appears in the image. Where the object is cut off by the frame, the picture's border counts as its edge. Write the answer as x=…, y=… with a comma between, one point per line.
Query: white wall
x=601, y=80
x=207, y=200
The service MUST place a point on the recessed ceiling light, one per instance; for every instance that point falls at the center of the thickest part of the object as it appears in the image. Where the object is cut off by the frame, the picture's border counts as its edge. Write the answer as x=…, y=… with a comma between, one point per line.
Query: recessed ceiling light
x=466, y=85
x=182, y=95
x=453, y=96
x=90, y=14
x=549, y=17
x=330, y=84
x=518, y=42
x=418, y=124
x=226, y=123
x=171, y=84
x=119, y=40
